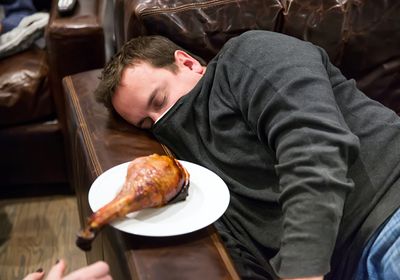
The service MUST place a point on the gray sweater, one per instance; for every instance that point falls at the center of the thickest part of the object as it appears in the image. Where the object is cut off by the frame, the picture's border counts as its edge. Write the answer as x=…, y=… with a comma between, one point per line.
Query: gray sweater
x=312, y=164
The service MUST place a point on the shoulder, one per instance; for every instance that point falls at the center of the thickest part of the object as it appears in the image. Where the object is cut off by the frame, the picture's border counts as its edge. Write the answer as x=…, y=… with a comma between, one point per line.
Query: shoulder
x=269, y=37
x=260, y=44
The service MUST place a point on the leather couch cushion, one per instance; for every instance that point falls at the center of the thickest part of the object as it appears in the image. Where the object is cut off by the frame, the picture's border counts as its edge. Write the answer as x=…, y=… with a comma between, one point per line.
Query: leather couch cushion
x=32, y=154
x=361, y=37
x=24, y=93
x=201, y=26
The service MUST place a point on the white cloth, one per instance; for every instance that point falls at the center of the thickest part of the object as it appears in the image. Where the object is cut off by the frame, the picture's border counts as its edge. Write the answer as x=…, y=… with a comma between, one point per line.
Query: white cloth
x=24, y=35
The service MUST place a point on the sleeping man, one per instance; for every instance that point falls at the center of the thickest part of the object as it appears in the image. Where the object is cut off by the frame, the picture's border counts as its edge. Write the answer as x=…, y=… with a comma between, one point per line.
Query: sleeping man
x=312, y=164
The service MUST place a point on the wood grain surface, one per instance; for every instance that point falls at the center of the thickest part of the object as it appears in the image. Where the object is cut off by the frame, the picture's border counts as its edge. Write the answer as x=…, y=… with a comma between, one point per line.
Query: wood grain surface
x=35, y=232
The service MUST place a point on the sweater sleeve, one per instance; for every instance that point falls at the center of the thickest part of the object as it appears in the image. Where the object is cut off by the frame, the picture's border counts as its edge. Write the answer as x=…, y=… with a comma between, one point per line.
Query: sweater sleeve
x=286, y=97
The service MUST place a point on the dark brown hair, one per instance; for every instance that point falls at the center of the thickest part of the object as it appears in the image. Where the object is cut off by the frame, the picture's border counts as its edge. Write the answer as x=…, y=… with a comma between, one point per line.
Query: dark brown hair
x=156, y=50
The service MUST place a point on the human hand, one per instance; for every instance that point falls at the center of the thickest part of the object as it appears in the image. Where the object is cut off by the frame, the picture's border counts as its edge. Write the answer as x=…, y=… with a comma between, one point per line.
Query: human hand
x=98, y=271
x=38, y=275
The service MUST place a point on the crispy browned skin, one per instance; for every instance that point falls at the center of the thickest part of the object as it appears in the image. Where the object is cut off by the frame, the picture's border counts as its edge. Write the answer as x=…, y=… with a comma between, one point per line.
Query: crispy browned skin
x=151, y=181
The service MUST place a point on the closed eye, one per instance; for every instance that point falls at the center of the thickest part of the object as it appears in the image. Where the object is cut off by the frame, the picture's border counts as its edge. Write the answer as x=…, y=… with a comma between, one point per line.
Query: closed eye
x=159, y=100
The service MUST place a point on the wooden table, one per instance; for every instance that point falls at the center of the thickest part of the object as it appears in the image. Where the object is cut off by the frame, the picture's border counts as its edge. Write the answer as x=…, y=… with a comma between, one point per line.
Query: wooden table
x=97, y=141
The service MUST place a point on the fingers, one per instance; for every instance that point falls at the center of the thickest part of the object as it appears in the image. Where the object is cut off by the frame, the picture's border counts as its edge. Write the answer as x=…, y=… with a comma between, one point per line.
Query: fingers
x=57, y=271
x=34, y=276
x=98, y=270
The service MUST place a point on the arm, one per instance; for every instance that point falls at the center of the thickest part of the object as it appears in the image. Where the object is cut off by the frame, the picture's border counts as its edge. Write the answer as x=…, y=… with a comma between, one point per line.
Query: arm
x=287, y=99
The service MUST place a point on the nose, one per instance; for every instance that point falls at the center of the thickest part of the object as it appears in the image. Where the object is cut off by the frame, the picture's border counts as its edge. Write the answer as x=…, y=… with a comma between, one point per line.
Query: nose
x=155, y=116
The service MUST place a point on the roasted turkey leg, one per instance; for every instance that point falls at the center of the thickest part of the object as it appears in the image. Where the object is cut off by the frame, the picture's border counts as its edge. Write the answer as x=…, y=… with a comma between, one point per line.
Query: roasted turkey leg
x=151, y=181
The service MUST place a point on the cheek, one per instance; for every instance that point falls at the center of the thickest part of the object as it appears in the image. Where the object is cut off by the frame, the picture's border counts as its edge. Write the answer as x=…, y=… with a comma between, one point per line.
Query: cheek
x=180, y=85
x=188, y=84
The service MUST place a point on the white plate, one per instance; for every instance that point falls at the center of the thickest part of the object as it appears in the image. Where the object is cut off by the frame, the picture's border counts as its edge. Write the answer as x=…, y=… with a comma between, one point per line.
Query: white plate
x=207, y=200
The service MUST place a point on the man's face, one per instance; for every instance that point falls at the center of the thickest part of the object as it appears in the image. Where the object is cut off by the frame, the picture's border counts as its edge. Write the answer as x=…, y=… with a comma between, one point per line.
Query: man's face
x=146, y=92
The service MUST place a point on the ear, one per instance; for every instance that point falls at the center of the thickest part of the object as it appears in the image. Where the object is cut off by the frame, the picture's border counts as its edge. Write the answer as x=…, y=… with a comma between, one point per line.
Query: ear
x=185, y=61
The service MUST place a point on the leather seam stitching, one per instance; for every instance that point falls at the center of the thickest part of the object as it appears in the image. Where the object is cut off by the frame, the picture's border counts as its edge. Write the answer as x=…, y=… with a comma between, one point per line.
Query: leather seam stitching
x=167, y=150
x=83, y=126
x=222, y=252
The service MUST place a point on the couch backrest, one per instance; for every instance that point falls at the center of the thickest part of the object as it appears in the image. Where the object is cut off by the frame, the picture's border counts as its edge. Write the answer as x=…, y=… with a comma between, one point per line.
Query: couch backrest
x=362, y=37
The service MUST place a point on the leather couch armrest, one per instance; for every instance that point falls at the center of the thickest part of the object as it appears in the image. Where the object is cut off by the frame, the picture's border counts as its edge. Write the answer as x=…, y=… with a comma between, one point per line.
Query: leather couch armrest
x=75, y=43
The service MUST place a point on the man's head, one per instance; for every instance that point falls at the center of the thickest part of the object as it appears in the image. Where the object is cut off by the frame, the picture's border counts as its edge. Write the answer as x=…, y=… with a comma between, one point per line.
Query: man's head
x=146, y=77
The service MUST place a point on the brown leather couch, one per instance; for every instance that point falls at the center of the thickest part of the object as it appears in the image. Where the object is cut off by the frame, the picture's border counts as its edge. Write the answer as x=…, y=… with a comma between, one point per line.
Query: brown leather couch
x=362, y=38
x=32, y=142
